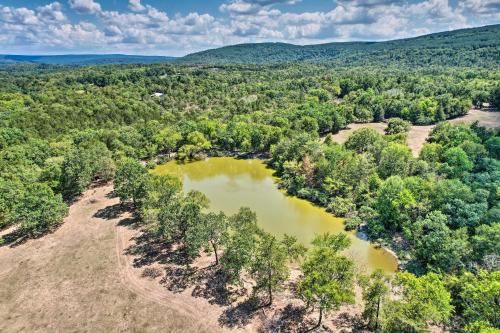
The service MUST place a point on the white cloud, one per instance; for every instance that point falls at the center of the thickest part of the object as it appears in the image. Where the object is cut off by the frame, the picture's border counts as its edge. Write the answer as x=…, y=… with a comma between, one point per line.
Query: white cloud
x=146, y=29
x=85, y=6
x=136, y=6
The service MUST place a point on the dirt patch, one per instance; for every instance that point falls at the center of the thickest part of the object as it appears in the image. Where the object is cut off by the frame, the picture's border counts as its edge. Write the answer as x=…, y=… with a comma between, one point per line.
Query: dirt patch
x=418, y=134
x=72, y=281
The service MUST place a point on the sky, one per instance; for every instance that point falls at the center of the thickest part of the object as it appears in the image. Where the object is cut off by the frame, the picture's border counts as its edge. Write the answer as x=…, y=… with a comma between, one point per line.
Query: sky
x=179, y=27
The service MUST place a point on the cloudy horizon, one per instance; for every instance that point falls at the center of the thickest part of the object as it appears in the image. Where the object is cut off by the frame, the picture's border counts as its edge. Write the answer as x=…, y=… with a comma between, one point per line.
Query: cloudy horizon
x=155, y=27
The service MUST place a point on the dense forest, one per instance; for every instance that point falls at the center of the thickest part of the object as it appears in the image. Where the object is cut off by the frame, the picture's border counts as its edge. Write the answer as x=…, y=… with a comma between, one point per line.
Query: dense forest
x=466, y=47
x=62, y=128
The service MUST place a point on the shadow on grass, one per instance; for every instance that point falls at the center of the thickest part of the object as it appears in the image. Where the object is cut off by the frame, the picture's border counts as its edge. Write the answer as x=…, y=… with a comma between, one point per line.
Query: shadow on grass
x=289, y=319
x=241, y=314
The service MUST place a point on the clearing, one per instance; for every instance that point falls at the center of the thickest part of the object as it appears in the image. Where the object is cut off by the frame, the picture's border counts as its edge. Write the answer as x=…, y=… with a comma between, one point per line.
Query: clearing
x=418, y=134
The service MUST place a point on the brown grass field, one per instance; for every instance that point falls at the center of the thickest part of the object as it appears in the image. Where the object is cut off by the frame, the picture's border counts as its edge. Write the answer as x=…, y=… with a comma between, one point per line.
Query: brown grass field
x=418, y=134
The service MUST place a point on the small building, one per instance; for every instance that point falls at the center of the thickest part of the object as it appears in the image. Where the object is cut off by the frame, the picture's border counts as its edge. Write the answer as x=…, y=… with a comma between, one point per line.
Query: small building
x=157, y=94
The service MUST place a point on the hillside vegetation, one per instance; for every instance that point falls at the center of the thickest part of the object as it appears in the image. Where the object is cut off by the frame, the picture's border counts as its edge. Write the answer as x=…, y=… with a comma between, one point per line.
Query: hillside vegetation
x=466, y=47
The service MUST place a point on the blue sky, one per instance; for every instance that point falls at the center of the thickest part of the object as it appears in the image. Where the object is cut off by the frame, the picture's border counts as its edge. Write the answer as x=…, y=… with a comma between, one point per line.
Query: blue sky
x=178, y=27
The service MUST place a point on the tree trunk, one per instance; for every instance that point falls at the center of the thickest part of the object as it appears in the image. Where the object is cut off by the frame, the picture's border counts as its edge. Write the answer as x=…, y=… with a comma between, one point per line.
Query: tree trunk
x=376, y=318
x=215, y=251
x=320, y=317
x=270, y=290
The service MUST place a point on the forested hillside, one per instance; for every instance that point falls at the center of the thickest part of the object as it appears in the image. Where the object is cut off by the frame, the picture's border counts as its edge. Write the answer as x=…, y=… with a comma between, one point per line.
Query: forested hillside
x=466, y=47
x=81, y=59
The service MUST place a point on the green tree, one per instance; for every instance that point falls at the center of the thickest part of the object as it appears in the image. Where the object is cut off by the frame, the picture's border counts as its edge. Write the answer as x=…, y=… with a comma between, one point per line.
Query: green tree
x=397, y=126
x=457, y=162
x=375, y=292
x=269, y=266
x=130, y=180
x=167, y=139
x=38, y=209
x=328, y=277
x=421, y=301
x=214, y=230
x=241, y=244
x=396, y=159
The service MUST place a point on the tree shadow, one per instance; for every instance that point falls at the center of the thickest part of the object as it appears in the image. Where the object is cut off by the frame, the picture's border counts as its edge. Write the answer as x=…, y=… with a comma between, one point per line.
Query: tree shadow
x=17, y=237
x=211, y=284
x=348, y=322
x=289, y=319
x=240, y=315
x=113, y=212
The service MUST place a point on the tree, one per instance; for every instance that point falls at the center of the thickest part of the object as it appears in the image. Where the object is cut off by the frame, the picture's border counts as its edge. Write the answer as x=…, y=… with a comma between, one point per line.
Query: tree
x=397, y=126
x=437, y=247
x=478, y=297
x=215, y=231
x=375, y=291
x=393, y=203
x=457, y=162
x=395, y=160
x=167, y=139
x=38, y=209
x=486, y=242
x=269, y=266
x=130, y=180
x=328, y=277
x=293, y=248
x=421, y=300
x=240, y=246
x=366, y=140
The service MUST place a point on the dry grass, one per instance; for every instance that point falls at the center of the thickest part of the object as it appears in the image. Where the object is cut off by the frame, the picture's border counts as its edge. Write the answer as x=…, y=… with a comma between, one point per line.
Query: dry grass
x=418, y=134
x=71, y=281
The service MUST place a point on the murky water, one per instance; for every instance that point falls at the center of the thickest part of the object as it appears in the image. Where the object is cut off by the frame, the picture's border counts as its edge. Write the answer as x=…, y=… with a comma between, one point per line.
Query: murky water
x=232, y=183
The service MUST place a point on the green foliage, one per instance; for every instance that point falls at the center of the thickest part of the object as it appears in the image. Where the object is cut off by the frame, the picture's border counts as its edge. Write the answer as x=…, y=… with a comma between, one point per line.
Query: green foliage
x=269, y=266
x=328, y=277
x=375, y=294
x=422, y=300
x=241, y=243
x=130, y=180
x=397, y=126
x=38, y=210
x=477, y=300
x=396, y=159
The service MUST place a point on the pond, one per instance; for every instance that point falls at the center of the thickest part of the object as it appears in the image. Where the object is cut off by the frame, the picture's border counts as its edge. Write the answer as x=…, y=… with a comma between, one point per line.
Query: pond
x=231, y=183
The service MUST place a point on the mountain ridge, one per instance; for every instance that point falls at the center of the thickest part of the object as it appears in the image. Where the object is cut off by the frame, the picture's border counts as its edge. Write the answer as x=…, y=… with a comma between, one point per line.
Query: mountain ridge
x=443, y=46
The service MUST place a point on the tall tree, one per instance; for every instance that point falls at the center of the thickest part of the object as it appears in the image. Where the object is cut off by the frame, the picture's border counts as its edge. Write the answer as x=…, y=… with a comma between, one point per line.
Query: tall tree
x=328, y=278
x=421, y=301
x=375, y=291
x=130, y=180
x=269, y=266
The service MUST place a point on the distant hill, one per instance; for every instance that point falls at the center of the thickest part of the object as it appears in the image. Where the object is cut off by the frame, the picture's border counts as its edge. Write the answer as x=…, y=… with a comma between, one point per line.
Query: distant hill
x=82, y=59
x=465, y=47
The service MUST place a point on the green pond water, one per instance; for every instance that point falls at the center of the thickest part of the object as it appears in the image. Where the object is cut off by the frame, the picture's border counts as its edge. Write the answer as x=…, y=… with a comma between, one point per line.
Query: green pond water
x=231, y=183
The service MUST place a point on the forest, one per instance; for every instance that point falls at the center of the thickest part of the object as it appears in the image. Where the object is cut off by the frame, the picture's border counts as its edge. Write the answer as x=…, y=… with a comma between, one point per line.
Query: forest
x=64, y=128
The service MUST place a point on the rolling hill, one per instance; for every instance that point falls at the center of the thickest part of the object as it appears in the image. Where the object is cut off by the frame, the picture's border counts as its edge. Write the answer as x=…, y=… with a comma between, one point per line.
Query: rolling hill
x=82, y=59
x=465, y=47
